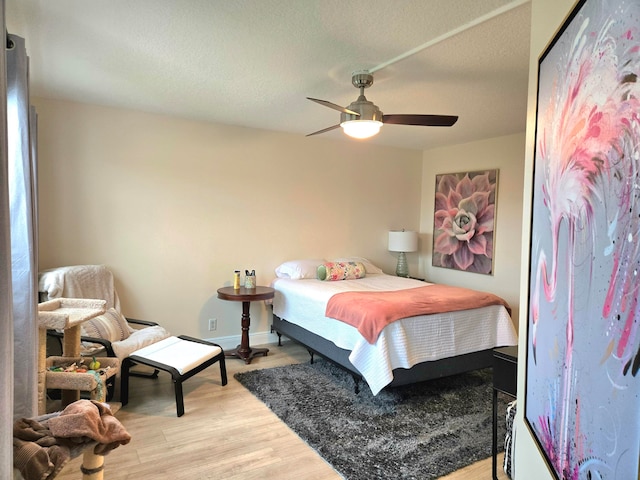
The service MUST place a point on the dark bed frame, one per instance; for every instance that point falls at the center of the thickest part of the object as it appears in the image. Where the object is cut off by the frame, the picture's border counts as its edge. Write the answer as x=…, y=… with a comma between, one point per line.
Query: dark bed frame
x=420, y=372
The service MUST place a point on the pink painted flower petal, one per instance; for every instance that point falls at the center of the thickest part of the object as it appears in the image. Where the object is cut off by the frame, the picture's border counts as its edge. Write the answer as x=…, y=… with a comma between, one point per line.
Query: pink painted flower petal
x=468, y=205
x=441, y=202
x=481, y=264
x=447, y=183
x=447, y=225
x=465, y=187
x=486, y=219
x=439, y=218
x=489, y=238
x=481, y=183
x=465, y=237
x=446, y=244
x=462, y=257
x=443, y=260
x=478, y=245
x=454, y=199
x=480, y=200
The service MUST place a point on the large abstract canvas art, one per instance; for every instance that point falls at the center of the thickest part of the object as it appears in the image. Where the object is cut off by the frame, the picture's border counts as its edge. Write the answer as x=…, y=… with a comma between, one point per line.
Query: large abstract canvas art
x=582, y=399
x=464, y=221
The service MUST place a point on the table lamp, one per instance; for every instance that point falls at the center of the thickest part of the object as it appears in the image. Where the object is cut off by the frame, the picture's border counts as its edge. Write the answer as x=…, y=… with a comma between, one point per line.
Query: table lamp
x=403, y=242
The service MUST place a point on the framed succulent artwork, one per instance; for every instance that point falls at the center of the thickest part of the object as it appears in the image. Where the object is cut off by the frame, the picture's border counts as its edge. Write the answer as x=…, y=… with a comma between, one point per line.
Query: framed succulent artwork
x=582, y=387
x=464, y=221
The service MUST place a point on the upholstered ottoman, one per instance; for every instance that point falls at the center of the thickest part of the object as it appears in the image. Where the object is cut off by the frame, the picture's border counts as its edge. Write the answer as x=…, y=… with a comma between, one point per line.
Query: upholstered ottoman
x=181, y=356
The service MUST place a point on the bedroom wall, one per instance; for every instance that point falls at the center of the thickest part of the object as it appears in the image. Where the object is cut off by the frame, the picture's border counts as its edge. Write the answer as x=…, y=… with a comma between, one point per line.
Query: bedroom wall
x=507, y=155
x=174, y=206
x=546, y=18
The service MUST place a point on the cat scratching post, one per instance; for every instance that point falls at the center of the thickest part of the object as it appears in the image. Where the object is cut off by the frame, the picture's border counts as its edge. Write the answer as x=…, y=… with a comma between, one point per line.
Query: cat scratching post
x=92, y=465
x=66, y=314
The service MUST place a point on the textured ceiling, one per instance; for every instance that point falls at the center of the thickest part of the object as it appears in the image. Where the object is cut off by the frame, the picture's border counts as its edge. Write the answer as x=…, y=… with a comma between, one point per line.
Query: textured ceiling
x=253, y=62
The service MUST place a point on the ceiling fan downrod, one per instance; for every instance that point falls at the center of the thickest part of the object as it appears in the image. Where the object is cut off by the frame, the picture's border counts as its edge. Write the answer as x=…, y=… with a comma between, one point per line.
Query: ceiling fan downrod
x=368, y=110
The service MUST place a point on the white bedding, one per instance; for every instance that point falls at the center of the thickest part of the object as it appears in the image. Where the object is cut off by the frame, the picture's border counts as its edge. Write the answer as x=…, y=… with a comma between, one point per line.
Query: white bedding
x=401, y=344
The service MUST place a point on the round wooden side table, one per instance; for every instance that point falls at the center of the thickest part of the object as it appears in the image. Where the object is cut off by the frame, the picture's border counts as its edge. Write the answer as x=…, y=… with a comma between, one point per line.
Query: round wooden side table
x=246, y=296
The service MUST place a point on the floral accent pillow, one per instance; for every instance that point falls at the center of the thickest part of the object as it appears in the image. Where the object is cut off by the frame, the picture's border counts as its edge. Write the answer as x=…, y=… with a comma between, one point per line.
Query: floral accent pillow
x=369, y=267
x=331, y=271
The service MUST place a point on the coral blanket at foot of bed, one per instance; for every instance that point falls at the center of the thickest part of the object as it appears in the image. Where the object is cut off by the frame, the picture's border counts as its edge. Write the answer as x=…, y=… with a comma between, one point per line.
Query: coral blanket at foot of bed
x=370, y=312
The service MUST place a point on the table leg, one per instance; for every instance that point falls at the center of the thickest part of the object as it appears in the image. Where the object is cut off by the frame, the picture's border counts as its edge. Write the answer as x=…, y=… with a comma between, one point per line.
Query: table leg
x=494, y=448
x=244, y=351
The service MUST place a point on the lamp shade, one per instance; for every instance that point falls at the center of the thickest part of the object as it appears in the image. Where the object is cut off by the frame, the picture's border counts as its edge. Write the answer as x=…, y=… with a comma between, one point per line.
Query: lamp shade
x=401, y=241
x=361, y=128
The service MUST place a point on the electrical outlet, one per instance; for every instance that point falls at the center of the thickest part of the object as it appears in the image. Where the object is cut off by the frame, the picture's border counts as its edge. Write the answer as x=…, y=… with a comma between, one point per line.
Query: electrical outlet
x=213, y=324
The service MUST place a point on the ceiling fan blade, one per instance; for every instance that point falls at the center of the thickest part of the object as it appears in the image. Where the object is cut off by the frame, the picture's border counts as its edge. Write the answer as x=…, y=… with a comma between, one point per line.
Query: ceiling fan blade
x=324, y=130
x=423, y=120
x=333, y=105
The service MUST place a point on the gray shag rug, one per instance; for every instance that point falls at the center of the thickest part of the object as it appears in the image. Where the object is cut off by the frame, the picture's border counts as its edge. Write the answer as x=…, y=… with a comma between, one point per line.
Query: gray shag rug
x=421, y=431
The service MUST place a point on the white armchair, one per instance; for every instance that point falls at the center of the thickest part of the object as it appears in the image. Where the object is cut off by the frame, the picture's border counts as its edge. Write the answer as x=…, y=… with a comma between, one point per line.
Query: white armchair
x=133, y=342
x=110, y=334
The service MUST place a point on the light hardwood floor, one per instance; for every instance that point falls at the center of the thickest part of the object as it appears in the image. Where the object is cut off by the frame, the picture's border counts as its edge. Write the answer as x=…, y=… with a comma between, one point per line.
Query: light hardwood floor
x=225, y=433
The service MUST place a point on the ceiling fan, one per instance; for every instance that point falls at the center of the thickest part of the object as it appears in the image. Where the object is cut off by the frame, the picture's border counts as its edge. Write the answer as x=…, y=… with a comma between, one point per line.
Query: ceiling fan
x=363, y=119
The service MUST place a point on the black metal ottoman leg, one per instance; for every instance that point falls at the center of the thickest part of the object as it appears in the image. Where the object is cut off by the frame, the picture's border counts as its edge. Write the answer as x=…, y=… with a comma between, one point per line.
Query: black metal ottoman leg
x=124, y=381
x=223, y=369
x=179, y=397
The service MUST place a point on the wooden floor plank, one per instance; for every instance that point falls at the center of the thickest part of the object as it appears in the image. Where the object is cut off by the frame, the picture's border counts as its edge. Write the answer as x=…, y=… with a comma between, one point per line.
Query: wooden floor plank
x=225, y=433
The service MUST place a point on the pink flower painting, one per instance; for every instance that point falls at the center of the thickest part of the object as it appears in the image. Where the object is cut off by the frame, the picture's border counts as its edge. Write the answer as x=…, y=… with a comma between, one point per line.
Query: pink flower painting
x=464, y=220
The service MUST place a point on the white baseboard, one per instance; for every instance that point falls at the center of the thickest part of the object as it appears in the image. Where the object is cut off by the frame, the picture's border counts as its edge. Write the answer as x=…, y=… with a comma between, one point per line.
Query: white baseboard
x=258, y=338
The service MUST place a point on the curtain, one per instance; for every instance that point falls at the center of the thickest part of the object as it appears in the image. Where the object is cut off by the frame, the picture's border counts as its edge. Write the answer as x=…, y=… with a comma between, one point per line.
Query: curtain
x=18, y=246
x=22, y=203
x=6, y=299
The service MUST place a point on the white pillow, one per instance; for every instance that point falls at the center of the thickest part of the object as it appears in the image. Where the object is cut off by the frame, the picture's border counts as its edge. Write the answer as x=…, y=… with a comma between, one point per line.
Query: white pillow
x=368, y=266
x=111, y=326
x=299, y=269
x=139, y=339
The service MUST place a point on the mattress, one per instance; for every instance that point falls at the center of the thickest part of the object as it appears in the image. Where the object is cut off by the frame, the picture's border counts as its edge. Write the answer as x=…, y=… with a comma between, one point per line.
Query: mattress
x=403, y=343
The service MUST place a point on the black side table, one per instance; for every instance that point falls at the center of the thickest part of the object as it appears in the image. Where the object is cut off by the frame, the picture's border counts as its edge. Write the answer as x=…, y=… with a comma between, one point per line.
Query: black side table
x=505, y=380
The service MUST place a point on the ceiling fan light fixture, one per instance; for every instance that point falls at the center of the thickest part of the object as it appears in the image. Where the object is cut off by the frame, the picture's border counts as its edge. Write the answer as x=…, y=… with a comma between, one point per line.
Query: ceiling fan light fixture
x=361, y=128
x=363, y=119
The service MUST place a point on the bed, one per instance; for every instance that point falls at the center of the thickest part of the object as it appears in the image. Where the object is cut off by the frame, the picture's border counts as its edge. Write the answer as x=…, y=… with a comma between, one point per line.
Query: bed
x=409, y=350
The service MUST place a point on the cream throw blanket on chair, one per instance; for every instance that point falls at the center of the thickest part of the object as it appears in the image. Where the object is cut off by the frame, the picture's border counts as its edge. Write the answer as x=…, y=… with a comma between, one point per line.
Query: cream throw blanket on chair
x=80, y=281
